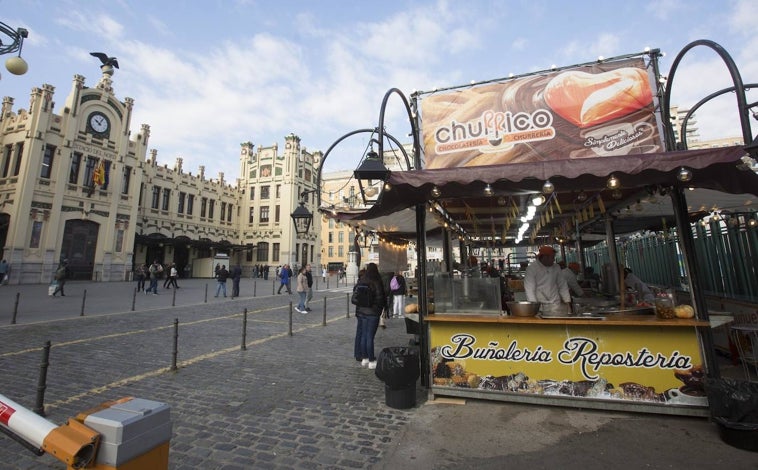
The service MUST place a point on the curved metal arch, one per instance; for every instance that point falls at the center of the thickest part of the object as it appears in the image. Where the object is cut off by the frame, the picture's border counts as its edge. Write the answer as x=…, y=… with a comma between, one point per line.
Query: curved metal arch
x=414, y=129
x=336, y=142
x=736, y=80
x=683, y=131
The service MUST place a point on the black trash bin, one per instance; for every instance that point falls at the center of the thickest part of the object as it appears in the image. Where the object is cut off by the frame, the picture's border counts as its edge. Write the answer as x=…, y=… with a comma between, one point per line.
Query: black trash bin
x=399, y=368
x=734, y=408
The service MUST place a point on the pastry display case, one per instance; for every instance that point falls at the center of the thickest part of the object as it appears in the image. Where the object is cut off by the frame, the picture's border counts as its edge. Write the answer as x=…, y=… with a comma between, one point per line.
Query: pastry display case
x=464, y=295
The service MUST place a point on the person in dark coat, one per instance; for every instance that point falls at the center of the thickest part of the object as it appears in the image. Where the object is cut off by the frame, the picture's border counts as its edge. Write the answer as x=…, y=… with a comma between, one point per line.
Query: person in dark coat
x=236, y=276
x=368, y=317
x=221, y=277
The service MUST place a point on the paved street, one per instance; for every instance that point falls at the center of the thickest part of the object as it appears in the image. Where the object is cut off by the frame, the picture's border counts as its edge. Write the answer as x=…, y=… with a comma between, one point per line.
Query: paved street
x=296, y=401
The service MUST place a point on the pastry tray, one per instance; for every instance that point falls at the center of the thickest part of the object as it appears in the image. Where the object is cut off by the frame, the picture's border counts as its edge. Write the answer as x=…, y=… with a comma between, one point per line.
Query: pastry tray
x=571, y=317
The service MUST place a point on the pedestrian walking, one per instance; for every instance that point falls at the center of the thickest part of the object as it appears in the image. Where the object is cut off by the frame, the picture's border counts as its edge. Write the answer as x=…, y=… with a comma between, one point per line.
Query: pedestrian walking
x=301, y=286
x=357, y=351
x=140, y=273
x=323, y=274
x=173, y=275
x=221, y=277
x=284, y=279
x=309, y=294
x=371, y=300
x=397, y=294
x=60, y=278
x=236, y=275
x=3, y=272
x=155, y=271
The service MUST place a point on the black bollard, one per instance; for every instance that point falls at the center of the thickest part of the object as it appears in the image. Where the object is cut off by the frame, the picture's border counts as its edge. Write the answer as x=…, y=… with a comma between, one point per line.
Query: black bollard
x=323, y=322
x=15, y=308
x=134, y=298
x=175, y=352
x=255, y=287
x=206, y=293
x=244, y=330
x=39, y=406
x=348, y=306
x=84, y=301
x=173, y=298
x=290, y=328
x=273, y=287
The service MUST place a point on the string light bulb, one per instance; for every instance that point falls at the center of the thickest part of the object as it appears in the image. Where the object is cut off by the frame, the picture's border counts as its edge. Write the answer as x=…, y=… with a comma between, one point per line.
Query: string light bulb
x=436, y=192
x=548, y=187
x=488, y=190
x=613, y=182
x=684, y=175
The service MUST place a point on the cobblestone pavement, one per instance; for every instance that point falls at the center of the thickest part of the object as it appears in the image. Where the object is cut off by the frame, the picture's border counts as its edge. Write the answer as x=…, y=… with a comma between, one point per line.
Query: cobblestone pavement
x=296, y=401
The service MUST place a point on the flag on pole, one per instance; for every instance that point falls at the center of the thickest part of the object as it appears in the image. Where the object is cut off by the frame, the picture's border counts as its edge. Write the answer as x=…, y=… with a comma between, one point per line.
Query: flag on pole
x=99, y=176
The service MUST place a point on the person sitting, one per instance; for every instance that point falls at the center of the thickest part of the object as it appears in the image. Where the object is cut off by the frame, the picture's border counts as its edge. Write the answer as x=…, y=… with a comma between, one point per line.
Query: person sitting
x=634, y=283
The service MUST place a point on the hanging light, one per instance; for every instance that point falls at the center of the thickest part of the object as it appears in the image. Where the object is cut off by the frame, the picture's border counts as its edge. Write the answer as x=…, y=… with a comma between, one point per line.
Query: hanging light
x=613, y=182
x=752, y=223
x=538, y=200
x=369, y=173
x=488, y=190
x=436, y=192
x=387, y=186
x=548, y=187
x=684, y=174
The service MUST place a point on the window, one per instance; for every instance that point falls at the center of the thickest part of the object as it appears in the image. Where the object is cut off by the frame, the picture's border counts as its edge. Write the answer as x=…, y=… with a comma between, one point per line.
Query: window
x=331, y=223
x=126, y=176
x=341, y=237
x=265, y=192
x=203, y=205
x=7, y=152
x=278, y=191
x=156, y=197
x=119, y=240
x=190, y=203
x=223, y=211
x=229, y=213
x=277, y=212
x=261, y=253
x=76, y=163
x=180, y=203
x=36, y=234
x=211, y=206
x=276, y=252
x=264, y=215
x=89, y=172
x=331, y=237
x=252, y=193
x=19, y=154
x=331, y=251
x=47, y=162
x=341, y=251
x=251, y=216
x=166, y=199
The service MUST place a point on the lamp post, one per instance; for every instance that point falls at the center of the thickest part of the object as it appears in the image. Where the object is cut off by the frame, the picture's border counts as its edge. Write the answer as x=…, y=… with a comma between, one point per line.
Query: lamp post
x=15, y=65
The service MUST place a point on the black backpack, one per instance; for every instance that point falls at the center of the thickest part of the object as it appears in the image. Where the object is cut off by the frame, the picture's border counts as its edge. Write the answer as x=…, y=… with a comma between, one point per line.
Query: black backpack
x=363, y=295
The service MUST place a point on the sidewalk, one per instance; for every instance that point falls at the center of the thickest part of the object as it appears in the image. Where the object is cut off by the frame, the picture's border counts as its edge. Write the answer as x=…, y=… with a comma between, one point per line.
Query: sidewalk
x=299, y=401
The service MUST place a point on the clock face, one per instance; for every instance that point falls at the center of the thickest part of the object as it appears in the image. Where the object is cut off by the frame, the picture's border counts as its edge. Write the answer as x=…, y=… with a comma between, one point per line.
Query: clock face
x=99, y=122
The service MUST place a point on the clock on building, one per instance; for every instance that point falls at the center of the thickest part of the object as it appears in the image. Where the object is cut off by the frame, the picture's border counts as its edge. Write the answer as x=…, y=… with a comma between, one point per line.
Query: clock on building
x=98, y=123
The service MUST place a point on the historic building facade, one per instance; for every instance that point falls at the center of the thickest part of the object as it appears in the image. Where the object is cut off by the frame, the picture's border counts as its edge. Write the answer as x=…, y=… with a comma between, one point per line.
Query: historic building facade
x=81, y=186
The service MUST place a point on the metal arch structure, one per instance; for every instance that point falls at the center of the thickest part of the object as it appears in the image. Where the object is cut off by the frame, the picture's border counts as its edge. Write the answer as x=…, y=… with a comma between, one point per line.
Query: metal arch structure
x=17, y=36
x=414, y=127
x=685, y=121
x=338, y=141
x=739, y=87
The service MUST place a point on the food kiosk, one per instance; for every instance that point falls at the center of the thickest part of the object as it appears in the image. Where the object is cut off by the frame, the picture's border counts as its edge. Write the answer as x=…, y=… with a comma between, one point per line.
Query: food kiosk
x=573, y=144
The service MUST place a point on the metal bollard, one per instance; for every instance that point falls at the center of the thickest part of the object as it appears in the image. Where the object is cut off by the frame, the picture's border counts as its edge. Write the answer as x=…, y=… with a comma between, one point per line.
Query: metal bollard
x=15, y=308
x=255, y=287
x=84, y=301
x=273, y=287
x=134, y=298
x=173, y=299
x=323, y=322
x=348, y=306
x=206, y=292
x=290, y=328
x=39, y=406
x=244, y=330
x=175, y=352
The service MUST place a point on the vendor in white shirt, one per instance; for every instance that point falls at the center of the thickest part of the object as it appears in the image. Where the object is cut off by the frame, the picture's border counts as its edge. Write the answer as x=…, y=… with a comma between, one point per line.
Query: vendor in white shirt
x=543, y=283
x=570, y=273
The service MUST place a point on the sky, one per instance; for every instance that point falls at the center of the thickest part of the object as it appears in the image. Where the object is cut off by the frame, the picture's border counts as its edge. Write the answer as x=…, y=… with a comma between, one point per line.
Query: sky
x=209, y=75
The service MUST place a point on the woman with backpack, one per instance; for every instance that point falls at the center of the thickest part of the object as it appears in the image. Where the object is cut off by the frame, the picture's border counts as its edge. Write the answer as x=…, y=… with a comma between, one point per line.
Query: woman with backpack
x=397, y=291
x=369, y=298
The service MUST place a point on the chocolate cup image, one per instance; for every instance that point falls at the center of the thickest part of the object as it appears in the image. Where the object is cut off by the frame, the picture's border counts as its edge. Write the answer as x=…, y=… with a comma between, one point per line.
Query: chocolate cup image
x=677, y=397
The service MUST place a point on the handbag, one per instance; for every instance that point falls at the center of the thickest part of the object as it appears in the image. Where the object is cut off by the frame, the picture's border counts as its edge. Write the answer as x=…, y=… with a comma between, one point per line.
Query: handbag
x=51, y=288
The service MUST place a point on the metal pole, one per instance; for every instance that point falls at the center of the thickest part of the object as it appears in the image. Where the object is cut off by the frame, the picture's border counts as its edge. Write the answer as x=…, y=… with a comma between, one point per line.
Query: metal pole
x=206, y=292
x=323, y=322
x=84, y=301
x=15, y=308
x=255, y=288
x=290, y=325
x=173, y=298
x=134, y=298
x=175, y=352
x=39, y=406
x=244, y=330
x=348, y=306
x=273, y=287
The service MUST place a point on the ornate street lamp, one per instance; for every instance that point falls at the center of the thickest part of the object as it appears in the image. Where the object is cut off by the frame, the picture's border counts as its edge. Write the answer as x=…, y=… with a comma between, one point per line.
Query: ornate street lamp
x=15, y=65
x=371, y=175
x=302, y=217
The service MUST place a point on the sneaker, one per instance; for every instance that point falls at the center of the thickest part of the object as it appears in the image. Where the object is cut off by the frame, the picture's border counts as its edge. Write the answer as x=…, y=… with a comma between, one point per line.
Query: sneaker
x=372, y=365
x=304, y=312
x=308, y=309
x=364, y=362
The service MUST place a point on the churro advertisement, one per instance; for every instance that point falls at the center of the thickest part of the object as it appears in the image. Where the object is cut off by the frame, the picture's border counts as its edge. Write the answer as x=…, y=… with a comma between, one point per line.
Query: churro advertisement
x=590, y=111
x=649, y=364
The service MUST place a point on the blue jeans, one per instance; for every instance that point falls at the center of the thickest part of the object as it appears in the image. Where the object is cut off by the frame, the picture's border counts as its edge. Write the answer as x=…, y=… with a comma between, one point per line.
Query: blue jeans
x=153, y=285
x=368, y=324
x=301, y=305
x=358, y=329
x=221, y=287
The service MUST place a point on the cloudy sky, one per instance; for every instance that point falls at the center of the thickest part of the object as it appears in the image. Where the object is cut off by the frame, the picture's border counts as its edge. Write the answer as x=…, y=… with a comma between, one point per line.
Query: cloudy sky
x=209, y=75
